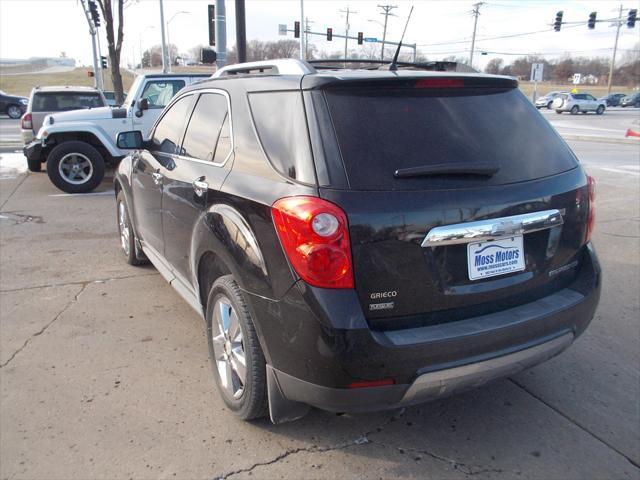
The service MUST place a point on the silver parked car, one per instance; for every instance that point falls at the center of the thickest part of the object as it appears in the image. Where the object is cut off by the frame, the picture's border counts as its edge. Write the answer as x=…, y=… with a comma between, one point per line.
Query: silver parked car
x=579, y=103
x=547, y=100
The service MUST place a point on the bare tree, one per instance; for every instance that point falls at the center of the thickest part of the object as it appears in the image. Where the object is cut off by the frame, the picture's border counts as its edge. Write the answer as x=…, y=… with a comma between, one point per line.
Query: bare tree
x=114, y=43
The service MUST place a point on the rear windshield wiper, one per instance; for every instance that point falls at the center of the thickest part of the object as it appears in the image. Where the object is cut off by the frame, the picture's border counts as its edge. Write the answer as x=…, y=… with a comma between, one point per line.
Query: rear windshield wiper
x=479, y=169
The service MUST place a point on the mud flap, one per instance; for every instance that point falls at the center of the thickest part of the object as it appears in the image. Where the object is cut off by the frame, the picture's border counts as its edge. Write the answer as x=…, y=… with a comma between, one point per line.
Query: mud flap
x=282, y=410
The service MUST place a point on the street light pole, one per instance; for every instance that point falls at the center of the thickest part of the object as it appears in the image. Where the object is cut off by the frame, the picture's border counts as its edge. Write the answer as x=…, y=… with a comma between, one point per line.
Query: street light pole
x=346, y=28
x=169, y=41
x=165, y=66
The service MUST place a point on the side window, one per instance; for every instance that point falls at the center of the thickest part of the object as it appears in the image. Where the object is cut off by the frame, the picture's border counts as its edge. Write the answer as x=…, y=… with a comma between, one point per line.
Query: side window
x=208, y=136
x=160, y=92
x=590, y=97
x=168, y=131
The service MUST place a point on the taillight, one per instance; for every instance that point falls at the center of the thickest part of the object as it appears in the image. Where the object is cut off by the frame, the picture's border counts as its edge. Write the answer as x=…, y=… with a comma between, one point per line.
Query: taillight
x=439, y=83
x=591, y=218
x=314, y=234
x=26, y=122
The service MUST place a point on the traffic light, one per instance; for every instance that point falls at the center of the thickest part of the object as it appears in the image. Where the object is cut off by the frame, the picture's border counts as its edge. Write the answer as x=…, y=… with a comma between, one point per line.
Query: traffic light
x=592, y=20
x=208, y=56
x=93, y=10
x=296, y=29
x=103, y=62
x=558, y=23
x=329, y=34
x=360, y=38
x=211, y=9
x=632, y=17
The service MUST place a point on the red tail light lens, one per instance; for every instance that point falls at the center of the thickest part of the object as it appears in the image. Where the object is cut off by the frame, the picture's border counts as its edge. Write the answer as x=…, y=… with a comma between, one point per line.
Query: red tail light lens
x=315, y=237
x=26, y=122
x=440, y=83
x=591, y=218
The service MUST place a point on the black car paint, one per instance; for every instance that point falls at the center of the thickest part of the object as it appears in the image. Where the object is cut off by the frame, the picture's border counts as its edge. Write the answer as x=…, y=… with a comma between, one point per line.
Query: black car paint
x=7, y=101
x=328, y=337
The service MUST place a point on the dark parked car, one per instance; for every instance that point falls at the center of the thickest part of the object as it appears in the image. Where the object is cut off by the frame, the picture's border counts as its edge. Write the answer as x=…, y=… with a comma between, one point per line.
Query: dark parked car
x=632, y=100
x=613, y=99
x=13, y=105
x=359, y=240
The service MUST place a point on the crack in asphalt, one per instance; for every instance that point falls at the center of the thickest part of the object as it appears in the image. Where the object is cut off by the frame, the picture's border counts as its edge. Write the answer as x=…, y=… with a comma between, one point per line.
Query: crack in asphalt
x=14, y=191
x=43, y=329
x=365, y=440
x=80, y=282
x=574, y=422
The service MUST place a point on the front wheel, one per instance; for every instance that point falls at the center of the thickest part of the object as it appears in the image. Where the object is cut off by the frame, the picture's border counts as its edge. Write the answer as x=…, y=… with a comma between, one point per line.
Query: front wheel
x=14, y=112
x=600, y=110
x=549, y=105
x=559, y=112
x=35, y=165
x=238, y=363
x=127, y=235
x=75, y=167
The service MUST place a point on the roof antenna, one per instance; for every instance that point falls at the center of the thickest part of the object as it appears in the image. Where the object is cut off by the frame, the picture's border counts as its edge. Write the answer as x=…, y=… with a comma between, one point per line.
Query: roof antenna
x=393, y=66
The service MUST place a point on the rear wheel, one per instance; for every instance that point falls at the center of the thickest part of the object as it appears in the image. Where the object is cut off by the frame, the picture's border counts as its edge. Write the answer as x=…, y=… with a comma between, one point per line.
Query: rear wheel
x=75, y=167
x=559, y=112
x=574, y=110
x=238, y=363
x=14, y=111
x=600, y=110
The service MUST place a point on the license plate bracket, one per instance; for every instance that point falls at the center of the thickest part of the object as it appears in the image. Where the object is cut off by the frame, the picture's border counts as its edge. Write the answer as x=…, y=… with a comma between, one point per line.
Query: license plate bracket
x=491, y=258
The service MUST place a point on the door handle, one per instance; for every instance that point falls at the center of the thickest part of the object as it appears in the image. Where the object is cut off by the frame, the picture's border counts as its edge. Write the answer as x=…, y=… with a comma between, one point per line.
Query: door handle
x=157, y=178
x=200, y=187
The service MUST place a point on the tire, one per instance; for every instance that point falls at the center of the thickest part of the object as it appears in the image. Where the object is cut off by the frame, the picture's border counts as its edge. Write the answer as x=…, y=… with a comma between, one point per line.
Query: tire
x=127, y=235
x=550, y=105
x=14, y=111
x=575, y=109
x=600, y=110
x=559, y=112
x=246, y=399
x=68, y=155
x=34, y=165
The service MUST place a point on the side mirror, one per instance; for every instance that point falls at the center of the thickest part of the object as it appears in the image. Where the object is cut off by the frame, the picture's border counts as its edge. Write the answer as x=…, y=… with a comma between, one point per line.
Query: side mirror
x=130, y=140
x=143, y=104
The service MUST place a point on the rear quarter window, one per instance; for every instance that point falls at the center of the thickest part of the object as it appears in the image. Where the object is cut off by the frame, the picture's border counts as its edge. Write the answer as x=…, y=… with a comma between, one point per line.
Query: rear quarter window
x=279, y=118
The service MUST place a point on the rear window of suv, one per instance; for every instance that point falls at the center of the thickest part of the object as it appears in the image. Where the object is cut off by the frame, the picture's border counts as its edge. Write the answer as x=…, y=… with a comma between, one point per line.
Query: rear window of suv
x=59, y=102
x=382, y=130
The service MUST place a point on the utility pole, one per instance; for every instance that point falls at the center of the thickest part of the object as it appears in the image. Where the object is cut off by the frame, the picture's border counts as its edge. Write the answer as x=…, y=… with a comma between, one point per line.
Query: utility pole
x=386, y=11
x=476, y=13
x=615, y=48
x=241, y=32
x=221, y=34
x=346, y=28
x=303, y=49
x=307, y=23
x=165, y=61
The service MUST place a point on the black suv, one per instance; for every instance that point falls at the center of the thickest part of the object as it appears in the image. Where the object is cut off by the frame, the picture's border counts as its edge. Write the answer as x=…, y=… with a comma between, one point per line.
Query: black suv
x=360, y=240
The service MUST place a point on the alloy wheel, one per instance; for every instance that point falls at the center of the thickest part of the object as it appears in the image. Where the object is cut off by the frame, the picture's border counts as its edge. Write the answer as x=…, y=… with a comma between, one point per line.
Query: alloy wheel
x=75, y=168
x=228, y=347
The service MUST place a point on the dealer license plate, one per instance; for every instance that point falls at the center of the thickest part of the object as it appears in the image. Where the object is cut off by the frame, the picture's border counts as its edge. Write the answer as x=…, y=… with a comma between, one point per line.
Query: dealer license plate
x=495, y=257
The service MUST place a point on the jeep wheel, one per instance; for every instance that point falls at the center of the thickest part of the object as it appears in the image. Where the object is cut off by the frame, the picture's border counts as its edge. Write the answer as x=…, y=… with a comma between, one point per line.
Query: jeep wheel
x=14, y=111
x=35, y=165
x=575, y=109
x=75, y=167
x=238, y=363
x=127, y=235
x=600, y=110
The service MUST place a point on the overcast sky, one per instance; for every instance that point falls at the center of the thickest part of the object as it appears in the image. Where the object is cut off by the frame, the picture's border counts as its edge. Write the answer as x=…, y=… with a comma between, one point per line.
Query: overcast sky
x=440, y=28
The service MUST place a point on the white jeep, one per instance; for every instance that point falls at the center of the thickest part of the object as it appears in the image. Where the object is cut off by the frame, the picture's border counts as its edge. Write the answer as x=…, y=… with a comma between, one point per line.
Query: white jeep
x=77, y=145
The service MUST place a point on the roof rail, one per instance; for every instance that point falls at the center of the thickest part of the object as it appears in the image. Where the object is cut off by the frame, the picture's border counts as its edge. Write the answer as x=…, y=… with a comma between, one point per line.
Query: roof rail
x=283, y=66
x=439, y=66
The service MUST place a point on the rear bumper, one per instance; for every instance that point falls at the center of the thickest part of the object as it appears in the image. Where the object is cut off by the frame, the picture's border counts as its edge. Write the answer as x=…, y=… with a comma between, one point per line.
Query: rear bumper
x=427, y=386
x=317, y=343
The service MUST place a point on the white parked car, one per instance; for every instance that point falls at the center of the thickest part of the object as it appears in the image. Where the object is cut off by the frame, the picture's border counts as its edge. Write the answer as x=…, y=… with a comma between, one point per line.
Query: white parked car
x=579, y=103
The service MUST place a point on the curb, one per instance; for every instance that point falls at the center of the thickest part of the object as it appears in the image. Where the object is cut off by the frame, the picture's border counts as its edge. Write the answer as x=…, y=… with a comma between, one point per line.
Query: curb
x=593, y=138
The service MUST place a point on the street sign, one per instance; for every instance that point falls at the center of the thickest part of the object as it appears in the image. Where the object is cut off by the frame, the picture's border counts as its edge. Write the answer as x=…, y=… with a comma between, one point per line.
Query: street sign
x=282, y=29
x=576, y=78
x=536, y=72
x=370, y=39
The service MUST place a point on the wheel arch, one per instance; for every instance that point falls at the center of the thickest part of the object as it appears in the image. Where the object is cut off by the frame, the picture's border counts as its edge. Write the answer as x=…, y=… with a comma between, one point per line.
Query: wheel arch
x=94, y=139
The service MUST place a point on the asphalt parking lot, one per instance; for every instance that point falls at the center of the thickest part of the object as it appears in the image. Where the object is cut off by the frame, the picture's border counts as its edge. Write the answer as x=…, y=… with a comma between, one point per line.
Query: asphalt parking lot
x=104, y=370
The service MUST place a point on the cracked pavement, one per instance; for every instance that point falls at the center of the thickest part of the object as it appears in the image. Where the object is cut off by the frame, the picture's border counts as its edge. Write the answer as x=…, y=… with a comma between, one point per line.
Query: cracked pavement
x=104, y=370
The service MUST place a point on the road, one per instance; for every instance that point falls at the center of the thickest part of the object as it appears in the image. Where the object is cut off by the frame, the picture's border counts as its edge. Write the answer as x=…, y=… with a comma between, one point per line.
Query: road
x=104, y=370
